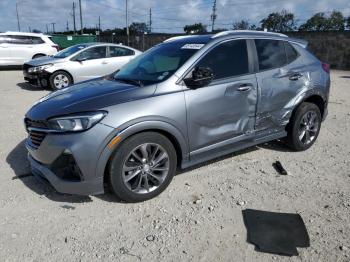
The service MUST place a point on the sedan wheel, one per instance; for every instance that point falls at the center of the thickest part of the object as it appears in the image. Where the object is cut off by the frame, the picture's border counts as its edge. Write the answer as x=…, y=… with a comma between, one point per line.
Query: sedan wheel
x=308, y=128
x=60, y=81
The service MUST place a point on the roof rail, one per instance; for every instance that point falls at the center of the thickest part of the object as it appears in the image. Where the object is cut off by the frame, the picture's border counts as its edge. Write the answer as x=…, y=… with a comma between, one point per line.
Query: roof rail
x=177, y=38
x=223, y=33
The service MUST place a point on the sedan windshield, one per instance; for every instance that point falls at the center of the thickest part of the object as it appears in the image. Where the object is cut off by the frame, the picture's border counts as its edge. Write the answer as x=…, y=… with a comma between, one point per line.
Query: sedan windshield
x=70, y=51
x=157, y=64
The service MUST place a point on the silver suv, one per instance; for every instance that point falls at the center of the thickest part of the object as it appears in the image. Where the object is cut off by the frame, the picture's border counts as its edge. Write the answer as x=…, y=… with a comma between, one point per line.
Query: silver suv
x=185, y=101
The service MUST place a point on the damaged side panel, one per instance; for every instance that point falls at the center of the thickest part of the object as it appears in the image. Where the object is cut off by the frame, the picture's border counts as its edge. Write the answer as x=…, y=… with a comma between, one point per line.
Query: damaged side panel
x=280, y=90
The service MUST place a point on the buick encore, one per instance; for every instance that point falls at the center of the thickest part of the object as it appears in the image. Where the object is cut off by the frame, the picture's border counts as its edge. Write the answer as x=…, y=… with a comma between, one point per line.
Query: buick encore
x=184, y=101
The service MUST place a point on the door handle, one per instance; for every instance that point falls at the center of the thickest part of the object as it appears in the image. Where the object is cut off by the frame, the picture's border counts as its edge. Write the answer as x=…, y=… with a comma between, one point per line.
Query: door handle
x=244, y=87
x=295, y=76
x=104, y=63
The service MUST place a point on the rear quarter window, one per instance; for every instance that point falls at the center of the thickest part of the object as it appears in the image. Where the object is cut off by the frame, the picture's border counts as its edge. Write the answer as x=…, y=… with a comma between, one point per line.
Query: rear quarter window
x=271, y=54
x=291, y=53
x=115, y=51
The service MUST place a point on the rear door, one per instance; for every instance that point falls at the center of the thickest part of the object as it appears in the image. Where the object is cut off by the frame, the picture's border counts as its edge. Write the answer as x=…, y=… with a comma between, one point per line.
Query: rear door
x=280, y=79
x=93, y=65
x=21, y=48
x=225, y=109
x=5, y=58
x=118, y=56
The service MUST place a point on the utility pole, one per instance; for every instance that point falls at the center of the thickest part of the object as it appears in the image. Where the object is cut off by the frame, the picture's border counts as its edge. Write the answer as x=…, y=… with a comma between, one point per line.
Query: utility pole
x=75, y=28
x=127, y=19
x=150, y=20
x=213, y=16
x=99, y=23
x=29, y=29
x=81, y=18
x=47, y=29
x=53, y=27
x=19, y=26
x=67, y=28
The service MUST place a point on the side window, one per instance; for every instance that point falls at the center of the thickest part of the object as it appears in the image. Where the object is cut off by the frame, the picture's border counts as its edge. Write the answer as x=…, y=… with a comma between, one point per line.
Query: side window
x=20, y=39
x=37, y=40
x=97, y=52
x=115, y=51
x=271, y=54
x=3, y=39
x=291, y=53
x=227, y=60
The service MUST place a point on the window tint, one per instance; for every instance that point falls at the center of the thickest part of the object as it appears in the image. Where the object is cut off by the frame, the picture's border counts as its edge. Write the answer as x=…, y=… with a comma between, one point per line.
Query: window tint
x=271, y=54
x=291, y=53
x=97, y=52
x=115, y=51
x=227, y=60
x=24, y=40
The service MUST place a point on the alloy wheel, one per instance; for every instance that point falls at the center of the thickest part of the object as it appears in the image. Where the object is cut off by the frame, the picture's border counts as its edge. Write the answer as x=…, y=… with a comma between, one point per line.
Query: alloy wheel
x=308, y=127
x=145, y=168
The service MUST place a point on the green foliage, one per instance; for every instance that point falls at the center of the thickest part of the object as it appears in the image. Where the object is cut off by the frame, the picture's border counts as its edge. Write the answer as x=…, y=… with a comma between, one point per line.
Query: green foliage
x=241, y=25
x=320, y=22
x=195, y=28
x=138, y=28
x=279, y=22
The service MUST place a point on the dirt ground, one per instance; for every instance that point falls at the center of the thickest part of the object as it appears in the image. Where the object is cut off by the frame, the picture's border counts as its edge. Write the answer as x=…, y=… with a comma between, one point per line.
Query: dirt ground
x=39, y=224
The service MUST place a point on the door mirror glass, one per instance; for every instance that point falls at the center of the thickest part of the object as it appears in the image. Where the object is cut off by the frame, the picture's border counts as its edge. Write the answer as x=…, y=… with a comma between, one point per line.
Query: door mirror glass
x=201, y=76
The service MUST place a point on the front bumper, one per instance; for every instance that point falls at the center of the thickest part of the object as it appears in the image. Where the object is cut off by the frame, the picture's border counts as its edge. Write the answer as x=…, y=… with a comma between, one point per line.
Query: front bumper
x=37, y=79
x=84, y=148
x=40, y=171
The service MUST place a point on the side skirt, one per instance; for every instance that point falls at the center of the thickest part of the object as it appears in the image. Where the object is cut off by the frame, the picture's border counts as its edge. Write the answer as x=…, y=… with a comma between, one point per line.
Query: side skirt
x=200, y=156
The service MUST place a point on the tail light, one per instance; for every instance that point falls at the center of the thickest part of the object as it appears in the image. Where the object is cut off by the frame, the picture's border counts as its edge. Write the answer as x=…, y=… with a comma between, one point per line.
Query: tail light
x=326, y=67
x=57, y=47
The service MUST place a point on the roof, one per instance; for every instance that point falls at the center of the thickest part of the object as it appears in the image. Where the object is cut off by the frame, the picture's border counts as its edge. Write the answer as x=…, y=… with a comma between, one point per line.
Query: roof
x=23, y=33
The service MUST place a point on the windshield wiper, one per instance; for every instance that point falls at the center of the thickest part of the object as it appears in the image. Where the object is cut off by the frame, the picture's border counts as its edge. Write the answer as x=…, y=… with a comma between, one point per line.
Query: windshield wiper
x=130, y=81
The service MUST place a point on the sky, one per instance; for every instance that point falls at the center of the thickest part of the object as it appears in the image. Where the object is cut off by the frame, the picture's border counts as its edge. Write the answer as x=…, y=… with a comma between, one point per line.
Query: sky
x=168, y=16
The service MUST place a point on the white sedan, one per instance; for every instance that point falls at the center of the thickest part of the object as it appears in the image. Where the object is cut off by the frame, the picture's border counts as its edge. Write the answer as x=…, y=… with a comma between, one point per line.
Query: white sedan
x=78, y=63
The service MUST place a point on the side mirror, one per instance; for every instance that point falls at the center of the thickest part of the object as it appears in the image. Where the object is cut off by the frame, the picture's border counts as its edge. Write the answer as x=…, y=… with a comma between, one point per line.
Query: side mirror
x=201, y=76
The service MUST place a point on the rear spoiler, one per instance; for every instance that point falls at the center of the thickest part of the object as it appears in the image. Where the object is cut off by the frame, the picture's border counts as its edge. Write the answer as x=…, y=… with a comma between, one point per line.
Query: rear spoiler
x=300, y=42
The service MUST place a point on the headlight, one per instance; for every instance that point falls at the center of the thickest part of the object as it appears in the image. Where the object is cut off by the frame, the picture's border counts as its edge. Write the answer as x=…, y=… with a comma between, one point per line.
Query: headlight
x=38, y=69
x=78, y=122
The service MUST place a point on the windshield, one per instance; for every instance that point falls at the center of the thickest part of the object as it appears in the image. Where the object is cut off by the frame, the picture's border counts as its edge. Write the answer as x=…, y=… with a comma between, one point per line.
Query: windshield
x=69, y=51
x=158, y=63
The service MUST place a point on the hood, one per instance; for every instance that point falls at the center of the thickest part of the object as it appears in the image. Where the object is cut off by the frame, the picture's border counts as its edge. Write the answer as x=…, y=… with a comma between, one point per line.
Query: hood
x=87, y=96
x=44, y=60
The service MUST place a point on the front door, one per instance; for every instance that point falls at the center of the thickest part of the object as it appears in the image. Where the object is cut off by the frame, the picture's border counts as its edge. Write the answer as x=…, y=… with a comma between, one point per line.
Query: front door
x=225, y=109
x=94, y=64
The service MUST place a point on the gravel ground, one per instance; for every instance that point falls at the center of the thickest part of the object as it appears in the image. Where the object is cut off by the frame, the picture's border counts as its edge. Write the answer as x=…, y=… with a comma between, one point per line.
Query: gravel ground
x=198, y=218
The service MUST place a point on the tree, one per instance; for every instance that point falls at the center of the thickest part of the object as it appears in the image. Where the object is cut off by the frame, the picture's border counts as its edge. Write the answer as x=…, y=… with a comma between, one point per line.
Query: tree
x=279, y=21
x=195, y=29
x=336, y=21
x=348, y=22
x=241, y=25
x=320, y=22
x=138, y=28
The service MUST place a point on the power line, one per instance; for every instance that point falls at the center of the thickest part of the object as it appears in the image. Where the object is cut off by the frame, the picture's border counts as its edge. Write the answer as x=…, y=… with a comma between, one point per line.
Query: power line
x=81, y=18
x=213, y=16
x=18, y=24
x=74, y=26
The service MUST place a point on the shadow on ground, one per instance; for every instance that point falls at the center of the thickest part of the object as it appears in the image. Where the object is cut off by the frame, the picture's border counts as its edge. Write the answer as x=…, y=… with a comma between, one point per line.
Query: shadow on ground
x=29, y=87
x=17, y=159
x=10, y=68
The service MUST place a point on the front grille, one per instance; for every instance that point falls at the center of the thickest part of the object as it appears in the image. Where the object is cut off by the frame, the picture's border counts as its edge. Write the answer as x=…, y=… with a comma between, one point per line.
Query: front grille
x=35, y=136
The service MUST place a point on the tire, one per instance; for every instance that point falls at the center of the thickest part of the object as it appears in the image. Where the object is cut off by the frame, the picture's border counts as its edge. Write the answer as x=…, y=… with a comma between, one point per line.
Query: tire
x=38, y=55
x=59, y=80
x=132, y=171
x=304, y=127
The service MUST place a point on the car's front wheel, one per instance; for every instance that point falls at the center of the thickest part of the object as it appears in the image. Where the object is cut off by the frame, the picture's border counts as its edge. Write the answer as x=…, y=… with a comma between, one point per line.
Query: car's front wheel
x=59, y=80
x=142, y=167
x=304, y=127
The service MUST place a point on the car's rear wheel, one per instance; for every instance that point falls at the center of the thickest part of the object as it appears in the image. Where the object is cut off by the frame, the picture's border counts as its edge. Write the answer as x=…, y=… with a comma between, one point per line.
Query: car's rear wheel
x=59, y=80
x=142, y=167
x=304, y=127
